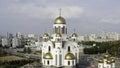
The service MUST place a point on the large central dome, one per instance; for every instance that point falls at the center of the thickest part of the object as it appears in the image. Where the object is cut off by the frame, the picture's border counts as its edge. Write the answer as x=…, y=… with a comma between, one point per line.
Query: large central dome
x=60, y=20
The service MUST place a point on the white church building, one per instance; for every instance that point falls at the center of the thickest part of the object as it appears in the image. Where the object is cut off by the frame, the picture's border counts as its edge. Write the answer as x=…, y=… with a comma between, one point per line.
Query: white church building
x=106, y=62
x=59, y=49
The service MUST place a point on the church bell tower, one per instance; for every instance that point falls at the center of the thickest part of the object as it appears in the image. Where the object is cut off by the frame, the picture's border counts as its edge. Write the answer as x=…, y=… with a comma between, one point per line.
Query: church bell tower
x=60, y=25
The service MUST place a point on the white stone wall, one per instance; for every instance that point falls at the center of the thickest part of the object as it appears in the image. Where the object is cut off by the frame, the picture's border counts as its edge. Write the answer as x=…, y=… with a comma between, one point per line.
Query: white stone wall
x=100, y=65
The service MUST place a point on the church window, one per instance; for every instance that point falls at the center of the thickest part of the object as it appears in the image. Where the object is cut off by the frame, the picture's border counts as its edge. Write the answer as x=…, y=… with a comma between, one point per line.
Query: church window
x=69, y=48
x=58, y=40
x=99, y=65
x=68, y=62
x=49, y=48
x=76, y=57
x=73, y=39
x=48, y=62
x=56, y=59
x=58, y=48
x=60, y=59
x=45, y=39
x=73, y=62
x=63, y=29
x=51, y=37
x=44, y=61
x=58, y=30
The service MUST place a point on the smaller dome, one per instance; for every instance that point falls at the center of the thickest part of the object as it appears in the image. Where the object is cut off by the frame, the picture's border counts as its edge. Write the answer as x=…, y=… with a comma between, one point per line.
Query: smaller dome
x=58, y=35
x=100, y=60
x=69, y=56
x=112, y=60
x=108, y=62
x=106, y=55
x=48, y=56
x=60, y=20
x=74, y=35
x=45, y=35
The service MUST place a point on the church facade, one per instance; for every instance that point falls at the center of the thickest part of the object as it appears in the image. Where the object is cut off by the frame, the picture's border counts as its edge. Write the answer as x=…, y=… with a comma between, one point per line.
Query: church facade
x=106, y=62
x=59, y=49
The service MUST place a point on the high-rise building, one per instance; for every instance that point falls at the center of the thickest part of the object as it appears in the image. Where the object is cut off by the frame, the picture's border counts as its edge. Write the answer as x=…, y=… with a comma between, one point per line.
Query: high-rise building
x=16, y=42
x=4, y=42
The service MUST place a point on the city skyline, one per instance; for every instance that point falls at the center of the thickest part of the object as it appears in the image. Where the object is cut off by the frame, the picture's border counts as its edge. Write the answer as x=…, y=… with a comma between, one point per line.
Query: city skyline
x=37, y=16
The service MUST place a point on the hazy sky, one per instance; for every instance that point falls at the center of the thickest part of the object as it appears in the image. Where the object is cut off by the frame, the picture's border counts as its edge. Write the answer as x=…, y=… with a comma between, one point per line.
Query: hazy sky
x=37, y=16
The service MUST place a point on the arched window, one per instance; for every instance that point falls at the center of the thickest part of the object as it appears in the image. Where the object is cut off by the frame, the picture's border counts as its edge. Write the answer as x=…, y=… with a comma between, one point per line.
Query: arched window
x=76, y=57
x=56, y=59
x=44, y=62
x=63, y=29
x=58, y=29
x=68, y=62
x=58, y=39
x=60, y=59
x=69, y=48
x=49, y=48
x=73, y=39
x=73, y=62
x=48, y=62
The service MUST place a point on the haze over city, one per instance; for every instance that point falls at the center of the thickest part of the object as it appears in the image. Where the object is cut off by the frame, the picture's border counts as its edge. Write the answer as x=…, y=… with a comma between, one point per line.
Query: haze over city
x=37, y=16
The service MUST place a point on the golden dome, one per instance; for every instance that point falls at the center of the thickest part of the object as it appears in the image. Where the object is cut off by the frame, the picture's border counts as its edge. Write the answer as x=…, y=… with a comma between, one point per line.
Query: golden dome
x=69, y=56
x=58, y=35
x=112, y=60
x=108, y=62
x=48, y=56
x=60, y=20
x=106, y=56
x=100, y=60
x=45, y=35
x=74, y=35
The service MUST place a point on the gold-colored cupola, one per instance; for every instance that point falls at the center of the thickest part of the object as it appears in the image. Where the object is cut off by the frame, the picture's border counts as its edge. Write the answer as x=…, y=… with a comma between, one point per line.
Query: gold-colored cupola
x=48, y=56
x=60, y=20
x=69, y=56
x=74, y=35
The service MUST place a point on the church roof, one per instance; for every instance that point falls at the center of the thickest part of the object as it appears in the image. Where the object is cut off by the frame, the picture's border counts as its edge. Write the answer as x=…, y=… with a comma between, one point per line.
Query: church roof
x=112, y=60
x=69, y=56
x=45, y=35
x=48, y=56
x=58, y=35
x=108, y=61
x=100, y=60
x=60, y=20
x=106, y=55
x=74, y=35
